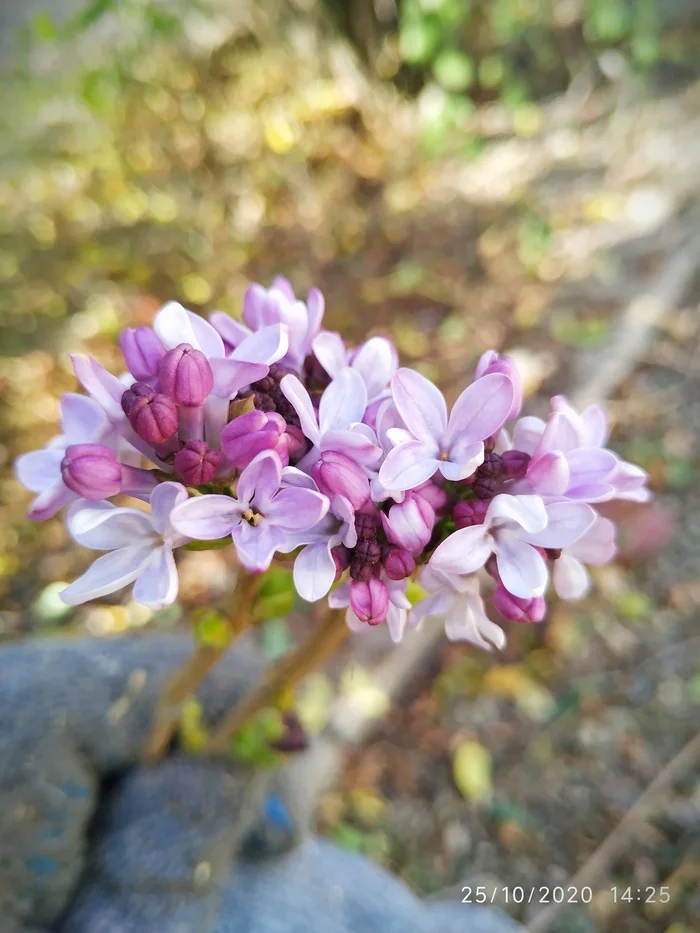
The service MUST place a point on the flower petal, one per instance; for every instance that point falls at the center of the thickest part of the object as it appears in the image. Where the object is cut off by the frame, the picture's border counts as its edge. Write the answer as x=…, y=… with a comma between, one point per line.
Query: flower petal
x=564, y=431
x=354, y=444
x=522, y=569
x=421, y=405
x=596, y=424
x=48, y=502
x=164, y=498
x=297, y=509
x=39, y=469
x=465, y=457
x=464, y=551
x=597, y=545
x=343, y=402
x=315, y=306
x=82, y=419
x=376, y=361
x=175, y=325
x=157, y=584
x=589, y=466
x=481, y=409
x=229, y=329
x=260, y=480
x=231, y=375
x=206, y=518
x=300, y=400
x=104, y=527
x=314, y=571
x=107, y=574
x=467, y=621
x=566, y=523
x=549, y=474
x=256, y=544
x=434, y=606
x=570, y=578
x=267, y=345
x=408, y=465
x=331, y=352
x=100, y=385
x=528, y=512
x=527, y=434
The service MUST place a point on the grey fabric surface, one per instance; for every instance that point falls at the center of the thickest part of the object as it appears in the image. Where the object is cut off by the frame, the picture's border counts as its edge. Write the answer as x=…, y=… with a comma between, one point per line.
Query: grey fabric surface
x=92, y=843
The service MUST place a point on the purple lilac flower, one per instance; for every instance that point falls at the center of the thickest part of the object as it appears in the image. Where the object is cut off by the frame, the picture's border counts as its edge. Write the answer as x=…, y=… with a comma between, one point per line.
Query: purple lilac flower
x=376, y=361
x=457, y=599
x=337, y=475
x=248, y=435
x=260, y=516
x=142, y=351
x=492, y=362
x=410, y=523
x=139, y=544
x=397, y=608
x=516, y=609
x=432, y=442
x=595, y=546
x=196, y=464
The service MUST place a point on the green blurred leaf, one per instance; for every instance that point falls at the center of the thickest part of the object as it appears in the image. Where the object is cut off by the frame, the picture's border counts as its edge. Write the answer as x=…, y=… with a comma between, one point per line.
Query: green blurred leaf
x=212, y=630
x=471, y=769
x=453, y=70
x=277, y=594
x=251, y=744
x=43, y=27
x=193, y=732
x=419, y=40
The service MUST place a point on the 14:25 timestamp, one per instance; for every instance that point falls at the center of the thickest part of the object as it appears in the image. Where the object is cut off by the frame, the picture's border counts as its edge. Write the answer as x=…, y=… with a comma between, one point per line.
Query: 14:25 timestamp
x=647, y=895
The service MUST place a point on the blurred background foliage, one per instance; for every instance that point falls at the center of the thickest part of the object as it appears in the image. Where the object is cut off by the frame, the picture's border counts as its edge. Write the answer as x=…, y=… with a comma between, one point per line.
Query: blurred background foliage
x=458, y=174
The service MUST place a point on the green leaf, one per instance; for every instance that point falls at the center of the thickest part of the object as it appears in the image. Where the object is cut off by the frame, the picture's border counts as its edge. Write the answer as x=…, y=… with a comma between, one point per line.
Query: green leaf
x=277, y=594
x=43, y=27
x=251, y=744
x=418, y=40
x=453, y=70
x=208, y=545
x=193, y=732
x=471, y=769
x=212, y=630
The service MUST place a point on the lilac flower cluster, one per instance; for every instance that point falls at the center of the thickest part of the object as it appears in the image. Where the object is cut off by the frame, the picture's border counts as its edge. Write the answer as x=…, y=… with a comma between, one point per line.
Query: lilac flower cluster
x=274, y=436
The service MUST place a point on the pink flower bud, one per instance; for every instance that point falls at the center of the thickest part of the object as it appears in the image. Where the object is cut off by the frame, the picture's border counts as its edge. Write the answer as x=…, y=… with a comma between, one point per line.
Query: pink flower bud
x=367, y=522
x=296, y=442
x=92, y=471
x=399, y=564
x=515, y=463
x=341, y=559
x=152, y=415
x=142, y=351
x=516, y=609
x=185, y=376
x=338, y=475
x=433, y=494
x=485, y=488
x=409, y=524
x=492, y=467
x=468, y=513
x=369, y=601
x=492, y=362
x=248, y=435
x=196, y=463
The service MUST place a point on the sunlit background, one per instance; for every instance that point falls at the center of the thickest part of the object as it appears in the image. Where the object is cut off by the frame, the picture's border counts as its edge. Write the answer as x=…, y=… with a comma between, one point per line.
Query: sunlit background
x=458, y=174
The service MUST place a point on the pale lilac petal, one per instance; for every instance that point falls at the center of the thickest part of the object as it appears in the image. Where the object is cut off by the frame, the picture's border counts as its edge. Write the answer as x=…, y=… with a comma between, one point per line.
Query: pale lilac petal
x=107, y=574
x=331, y=352
x=628, y=477
x=230, y=375
x=388, y=419
x=281, y=284
x=229, y=329
x=408, y=465
x=293, y=476
x=343, y=402
x=296, y=509
x=566, y=523
x=522, y=569
x=314, y=571
x=549, y=474
x=339, y=598
x=39, y=469
x=528, y=512
x=48, y=502
x=463, y=552
x=421, y=405
x=256, y=545
x=100, y=385
x=82, y=419
x=527, y=434
x=635, y=495
x=570, y=578
x=267, y=345
x=157, y=584
x=104, y=527
x=300, y=400
x=563, y=431
x=481, y=409
x=354, y=444
x=597, y=546
x=207, y=339
x=174, y=326
x=396, y=619
x=484, y=361
x=466, y=620
x=164, y=498
x=398, y=436
x=260, y=480
x=206, y=518
x=597, y=492
x=596, y=424
x=589, y=466
x=465, y=456
x=315, y=306
x=376, y=361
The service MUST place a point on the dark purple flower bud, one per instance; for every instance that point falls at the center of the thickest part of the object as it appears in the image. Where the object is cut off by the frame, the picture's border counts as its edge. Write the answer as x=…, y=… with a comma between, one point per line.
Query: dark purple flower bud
x=248, y=435
x=196, y=463
x=360, y=570
x=515, y=463
x=142, y=351
x=468, y=513
x=553, y=553
x=296, y=442
x=485, y=488
x=338, y=475
x=294, y=737
x=341, y=559
x=91, y=470
x=491, y=567
x=492, y=467
x=366, y=524
x=433, y=494
x=516, y=609
x=152, y=415
x=185, y=376
x=399, y=564
x=369, y=551
x=369, y=601
x=489, y=444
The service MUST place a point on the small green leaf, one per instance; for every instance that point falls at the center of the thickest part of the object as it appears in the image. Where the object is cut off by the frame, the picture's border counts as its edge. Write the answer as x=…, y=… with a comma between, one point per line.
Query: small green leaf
x=419, y=40
x=453, y=70
x=43, y=27
x=471, y=769
x=212, y=630
x=277, y=594
x=251, y=744
x=193, y=732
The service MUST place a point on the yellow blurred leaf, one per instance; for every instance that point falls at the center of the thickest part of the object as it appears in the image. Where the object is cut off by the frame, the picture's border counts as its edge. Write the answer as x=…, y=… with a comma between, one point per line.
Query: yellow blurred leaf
x=514, y=683
x=314, y=702
x=471, y=769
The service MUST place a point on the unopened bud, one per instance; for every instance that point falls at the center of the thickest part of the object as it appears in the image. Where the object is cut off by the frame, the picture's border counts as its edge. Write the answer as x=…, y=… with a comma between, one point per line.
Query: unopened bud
x=151, y=414
x=399, y=564
x=470, y=512
x=91, y=470
x=196, y=463
x=185, y=376
x=369, y=601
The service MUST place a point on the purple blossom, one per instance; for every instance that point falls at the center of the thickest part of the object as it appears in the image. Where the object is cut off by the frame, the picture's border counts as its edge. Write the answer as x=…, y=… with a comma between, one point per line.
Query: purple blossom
x=152, y=415
x=185, y=376
x=338, y=475
x=514, y=529
x=595, y=546
x=196, y=464
x=376, y=361
x=259, y=518
x=93, y=471
x=369, y=601
x=470, y=512
x=410, y=523
x=397, y=609
x=493, y=362
x=248, y=435
x=142, y=351
x=516, y=609
x=139, y=544
x=432, y=442
x=457, y=599
x=399, y=564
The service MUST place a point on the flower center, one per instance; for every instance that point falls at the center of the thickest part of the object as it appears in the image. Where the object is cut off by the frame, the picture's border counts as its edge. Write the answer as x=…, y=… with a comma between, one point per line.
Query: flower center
x=252, y=517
